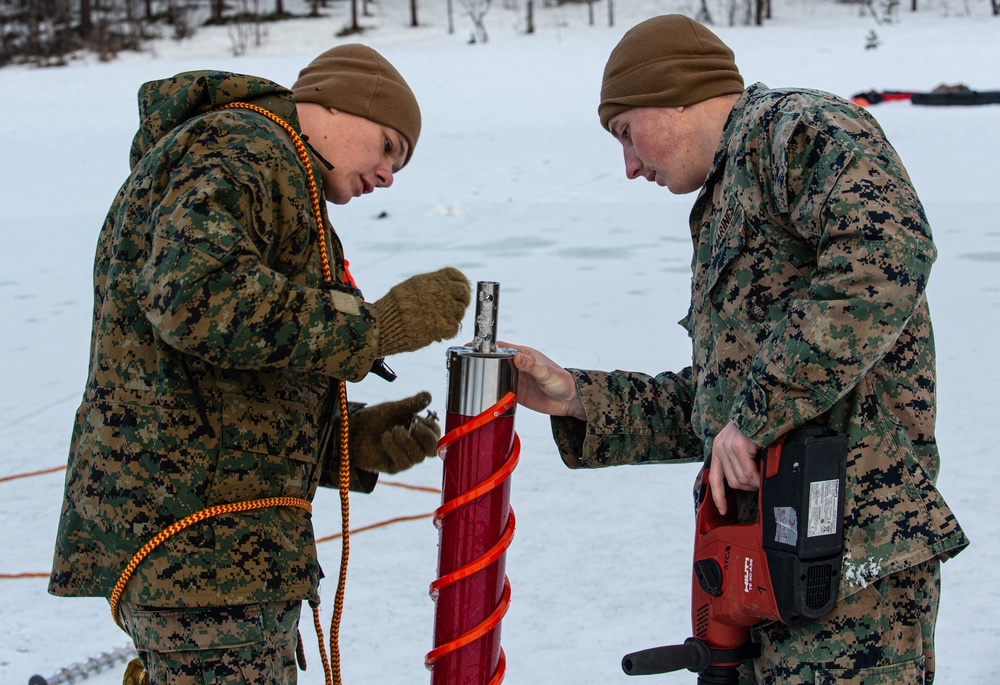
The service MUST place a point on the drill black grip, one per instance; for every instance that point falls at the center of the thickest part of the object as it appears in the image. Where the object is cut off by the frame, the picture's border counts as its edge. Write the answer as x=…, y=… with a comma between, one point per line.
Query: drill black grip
x=693, y=655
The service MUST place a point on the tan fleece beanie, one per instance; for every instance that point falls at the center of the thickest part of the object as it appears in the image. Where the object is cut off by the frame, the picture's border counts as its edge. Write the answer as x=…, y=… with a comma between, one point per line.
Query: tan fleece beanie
x=356, y=79
x=666, y=61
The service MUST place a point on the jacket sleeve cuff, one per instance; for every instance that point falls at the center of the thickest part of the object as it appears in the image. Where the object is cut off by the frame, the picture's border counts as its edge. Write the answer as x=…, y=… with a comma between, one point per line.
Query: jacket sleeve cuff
x=632, y=418
x=362, y=481
x=569, y=434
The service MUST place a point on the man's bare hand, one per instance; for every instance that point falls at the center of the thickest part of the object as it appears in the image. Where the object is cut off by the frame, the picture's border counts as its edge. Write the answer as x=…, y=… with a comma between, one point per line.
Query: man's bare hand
x=734, y=461
x=544, y=386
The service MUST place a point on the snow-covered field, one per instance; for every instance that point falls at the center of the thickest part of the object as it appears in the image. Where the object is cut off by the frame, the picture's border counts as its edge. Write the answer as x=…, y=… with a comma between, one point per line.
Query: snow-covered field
x=513, y=181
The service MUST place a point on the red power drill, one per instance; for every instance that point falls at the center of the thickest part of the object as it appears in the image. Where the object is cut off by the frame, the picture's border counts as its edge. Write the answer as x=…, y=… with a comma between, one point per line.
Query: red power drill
x=784, y=567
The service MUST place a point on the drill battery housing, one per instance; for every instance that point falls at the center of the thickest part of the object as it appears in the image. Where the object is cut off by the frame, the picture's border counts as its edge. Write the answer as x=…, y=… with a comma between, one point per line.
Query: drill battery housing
x=785, y=566
x=801, y=510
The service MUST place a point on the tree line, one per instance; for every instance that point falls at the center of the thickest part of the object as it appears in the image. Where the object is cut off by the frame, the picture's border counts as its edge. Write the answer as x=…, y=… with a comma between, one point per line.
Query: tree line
x=49, y=32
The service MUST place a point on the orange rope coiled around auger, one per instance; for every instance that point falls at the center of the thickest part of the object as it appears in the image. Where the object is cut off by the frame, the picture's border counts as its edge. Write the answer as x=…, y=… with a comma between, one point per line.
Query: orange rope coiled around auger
x=494, y=553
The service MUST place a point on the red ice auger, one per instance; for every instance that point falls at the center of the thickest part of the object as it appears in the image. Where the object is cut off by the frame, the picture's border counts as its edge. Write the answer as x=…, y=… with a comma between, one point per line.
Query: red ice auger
x=475, y=522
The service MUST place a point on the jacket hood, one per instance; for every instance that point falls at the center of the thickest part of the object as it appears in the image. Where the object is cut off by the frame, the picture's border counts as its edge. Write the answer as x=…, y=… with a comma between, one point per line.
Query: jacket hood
x=168, y=103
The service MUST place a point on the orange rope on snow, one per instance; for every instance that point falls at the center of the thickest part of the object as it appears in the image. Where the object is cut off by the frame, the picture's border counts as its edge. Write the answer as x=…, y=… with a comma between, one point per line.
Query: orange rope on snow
x=54, y=469
x=380, y=524
x=421, y=488
x=11, y=576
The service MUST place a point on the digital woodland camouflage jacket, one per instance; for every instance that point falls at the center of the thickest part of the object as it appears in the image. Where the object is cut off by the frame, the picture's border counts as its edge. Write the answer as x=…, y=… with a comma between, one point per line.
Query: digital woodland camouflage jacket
x=811, y=258
x=215, y=342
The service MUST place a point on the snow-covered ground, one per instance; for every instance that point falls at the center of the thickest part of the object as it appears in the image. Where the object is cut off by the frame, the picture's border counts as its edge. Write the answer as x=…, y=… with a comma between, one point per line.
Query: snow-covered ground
x=513, y=181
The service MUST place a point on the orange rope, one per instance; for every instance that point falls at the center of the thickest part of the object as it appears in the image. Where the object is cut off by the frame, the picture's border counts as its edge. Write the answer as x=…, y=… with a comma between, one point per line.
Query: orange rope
x=4, y=479
x=383, y=483
x=235, y=507
x=380, y=524
x=422, y=488
x=300, y=148
x=327, y=670
x=11, y=576
x=354, y=531
x=331, y=669
x=345, y=515
x=490, y=556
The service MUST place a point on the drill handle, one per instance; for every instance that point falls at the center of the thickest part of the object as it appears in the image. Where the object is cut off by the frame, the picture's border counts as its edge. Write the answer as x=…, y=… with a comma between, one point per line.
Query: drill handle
x=693, y=655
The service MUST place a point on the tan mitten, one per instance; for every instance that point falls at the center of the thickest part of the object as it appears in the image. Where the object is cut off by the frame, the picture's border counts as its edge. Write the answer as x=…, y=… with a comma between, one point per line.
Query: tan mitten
x=390, y=437
x=421, y=310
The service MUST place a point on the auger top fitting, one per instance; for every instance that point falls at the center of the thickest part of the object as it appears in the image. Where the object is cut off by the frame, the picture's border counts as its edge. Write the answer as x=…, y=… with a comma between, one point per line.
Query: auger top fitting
x=480, y=375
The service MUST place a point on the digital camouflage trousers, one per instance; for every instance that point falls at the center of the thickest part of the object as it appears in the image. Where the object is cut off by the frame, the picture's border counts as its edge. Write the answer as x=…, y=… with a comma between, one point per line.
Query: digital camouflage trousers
x=882, y=635
x=252, y=644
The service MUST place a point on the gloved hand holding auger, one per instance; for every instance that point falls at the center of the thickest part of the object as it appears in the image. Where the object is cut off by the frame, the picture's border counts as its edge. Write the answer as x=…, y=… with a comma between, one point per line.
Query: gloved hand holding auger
x=421, y=310
x=391, y=436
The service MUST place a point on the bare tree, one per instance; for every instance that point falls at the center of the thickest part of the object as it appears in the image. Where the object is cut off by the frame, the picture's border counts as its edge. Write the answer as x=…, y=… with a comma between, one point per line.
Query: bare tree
x=740, y=11
x=244, y=26
x=884, y=12
x=355, y=26
x=86, y=20
x=477, y=9
x=704, y=14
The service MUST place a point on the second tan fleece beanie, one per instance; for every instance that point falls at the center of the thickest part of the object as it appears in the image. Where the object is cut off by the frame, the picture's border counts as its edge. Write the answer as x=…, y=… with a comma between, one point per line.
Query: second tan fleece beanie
x=666, y=61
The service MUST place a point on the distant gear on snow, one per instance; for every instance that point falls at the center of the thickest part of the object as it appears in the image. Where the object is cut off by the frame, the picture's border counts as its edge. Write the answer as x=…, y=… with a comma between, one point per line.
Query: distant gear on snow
x=958, y=94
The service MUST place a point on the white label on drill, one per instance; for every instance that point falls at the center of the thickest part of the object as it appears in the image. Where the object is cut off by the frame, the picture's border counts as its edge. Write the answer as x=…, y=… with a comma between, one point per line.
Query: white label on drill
x=786, y=529
x=823, y=498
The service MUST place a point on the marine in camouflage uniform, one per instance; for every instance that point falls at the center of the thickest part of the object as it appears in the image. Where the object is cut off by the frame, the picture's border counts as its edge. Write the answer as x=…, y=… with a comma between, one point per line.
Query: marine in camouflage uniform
x=811, y=258
x=217, y=351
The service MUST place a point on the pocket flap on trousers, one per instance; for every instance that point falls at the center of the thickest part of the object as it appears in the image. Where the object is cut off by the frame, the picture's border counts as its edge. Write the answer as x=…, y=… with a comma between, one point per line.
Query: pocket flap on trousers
x=186, y=630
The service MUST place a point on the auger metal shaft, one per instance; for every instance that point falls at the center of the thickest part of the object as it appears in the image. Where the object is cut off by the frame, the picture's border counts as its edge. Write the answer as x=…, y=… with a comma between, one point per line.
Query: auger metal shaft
x=84, y=669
